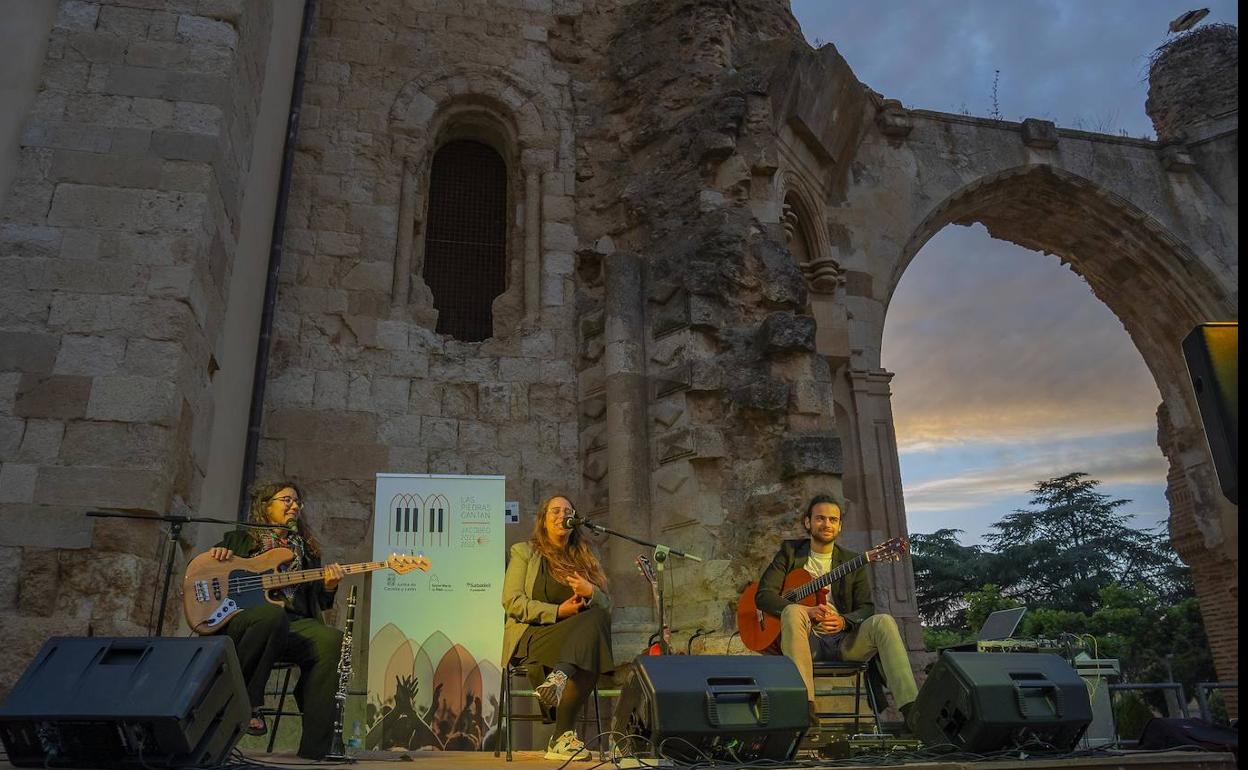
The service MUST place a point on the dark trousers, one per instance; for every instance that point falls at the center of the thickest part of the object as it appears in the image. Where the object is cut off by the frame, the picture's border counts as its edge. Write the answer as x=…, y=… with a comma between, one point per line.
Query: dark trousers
x=268, y=634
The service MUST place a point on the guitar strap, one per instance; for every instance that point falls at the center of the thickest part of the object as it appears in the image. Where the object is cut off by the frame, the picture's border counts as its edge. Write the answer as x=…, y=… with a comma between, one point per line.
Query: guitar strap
x=285, y=539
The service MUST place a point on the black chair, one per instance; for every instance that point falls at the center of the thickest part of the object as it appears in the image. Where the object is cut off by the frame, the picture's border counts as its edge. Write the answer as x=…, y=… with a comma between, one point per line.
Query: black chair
x=505, y=709
x=840, y=669
x=285, y=669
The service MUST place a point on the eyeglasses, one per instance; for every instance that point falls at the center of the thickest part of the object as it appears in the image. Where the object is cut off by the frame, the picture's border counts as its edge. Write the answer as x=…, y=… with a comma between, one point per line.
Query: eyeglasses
x=287, y=501
x=559, y=513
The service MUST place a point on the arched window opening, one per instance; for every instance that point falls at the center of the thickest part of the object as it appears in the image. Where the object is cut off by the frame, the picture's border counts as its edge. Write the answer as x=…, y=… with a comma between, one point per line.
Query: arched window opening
x=465, y=265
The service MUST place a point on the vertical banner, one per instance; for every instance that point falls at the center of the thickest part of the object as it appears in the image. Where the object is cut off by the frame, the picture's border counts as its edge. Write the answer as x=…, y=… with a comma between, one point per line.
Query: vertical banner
x=437, y=636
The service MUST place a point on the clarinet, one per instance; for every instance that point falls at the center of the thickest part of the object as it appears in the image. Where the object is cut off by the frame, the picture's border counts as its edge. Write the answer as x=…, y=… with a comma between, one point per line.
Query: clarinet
x=337, y=749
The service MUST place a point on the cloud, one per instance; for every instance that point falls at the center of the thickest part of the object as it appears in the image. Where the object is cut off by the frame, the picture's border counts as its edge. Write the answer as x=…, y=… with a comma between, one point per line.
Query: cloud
x=1077, y=63
x=989, y=342
x=1128, y=463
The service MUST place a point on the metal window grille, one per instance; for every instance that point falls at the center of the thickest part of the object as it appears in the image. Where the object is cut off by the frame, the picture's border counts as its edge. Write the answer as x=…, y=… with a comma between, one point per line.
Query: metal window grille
x=466, y=238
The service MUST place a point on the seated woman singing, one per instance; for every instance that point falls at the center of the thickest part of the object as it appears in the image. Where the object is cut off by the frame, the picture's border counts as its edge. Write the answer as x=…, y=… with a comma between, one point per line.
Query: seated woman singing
x=558, y=620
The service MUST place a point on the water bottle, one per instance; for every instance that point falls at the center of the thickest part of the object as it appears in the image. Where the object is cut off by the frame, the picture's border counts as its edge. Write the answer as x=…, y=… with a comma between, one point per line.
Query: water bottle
x=357, y=736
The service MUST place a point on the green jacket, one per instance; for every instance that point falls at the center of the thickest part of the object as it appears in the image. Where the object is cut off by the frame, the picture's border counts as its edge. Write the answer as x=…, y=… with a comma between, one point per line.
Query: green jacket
x=523, y=610
x=310, y=598
x=851, y=595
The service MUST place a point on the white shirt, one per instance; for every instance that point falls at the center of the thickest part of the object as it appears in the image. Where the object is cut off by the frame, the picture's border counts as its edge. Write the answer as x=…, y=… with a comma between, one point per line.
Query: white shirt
x=819, y=564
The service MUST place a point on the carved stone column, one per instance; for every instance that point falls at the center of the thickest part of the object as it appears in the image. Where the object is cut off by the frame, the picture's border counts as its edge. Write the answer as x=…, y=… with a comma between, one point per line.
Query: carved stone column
x=628, y=454
x=873, y=490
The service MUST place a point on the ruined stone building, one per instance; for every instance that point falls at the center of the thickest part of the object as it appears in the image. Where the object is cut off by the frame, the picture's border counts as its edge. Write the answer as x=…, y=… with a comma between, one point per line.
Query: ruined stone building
x=640, y=251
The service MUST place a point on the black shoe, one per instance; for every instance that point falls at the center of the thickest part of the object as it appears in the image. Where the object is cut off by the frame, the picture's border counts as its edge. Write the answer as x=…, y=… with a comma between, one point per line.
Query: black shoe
x=908, y=715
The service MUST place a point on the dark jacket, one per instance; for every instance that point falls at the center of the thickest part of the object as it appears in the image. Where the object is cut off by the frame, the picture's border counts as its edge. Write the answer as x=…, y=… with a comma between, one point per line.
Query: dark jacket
x=851, y=595
x=310, y=598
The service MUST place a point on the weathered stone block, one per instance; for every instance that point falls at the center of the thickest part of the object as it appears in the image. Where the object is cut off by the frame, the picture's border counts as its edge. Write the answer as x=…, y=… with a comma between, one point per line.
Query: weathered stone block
x=800, y=455
x=27, y=351
x=129, y=23
x=108, y=170
x=401, y=431
x=786, y=332
x=439, y=432
x=17, y=482
x=118, y=445
x=89, y=355
x=330, y=390
x=52, y=396
x=477, y=437
x=130, y=488
x=37, y=591
x=11, y=431
x=76, y=15
x=334, y=460
x=133, y=399
x=1040, y=134
x=180, y=145
x=493, y=400
x=459, y=400
x=764, y=394
x=94, y=207
x=321, y=425
x=198, y=29
x=41, y=441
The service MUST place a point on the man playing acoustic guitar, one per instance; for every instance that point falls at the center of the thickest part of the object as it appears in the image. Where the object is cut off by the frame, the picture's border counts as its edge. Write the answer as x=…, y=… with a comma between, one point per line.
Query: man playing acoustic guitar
x=847, y=627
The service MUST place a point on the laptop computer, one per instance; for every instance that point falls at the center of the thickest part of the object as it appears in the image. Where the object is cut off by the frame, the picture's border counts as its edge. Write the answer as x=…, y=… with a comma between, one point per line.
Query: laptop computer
x=999, y=625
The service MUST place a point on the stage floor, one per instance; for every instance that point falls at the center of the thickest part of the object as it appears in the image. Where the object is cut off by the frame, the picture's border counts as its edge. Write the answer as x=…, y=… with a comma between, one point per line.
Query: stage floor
x=468, y=760
x=471, y=760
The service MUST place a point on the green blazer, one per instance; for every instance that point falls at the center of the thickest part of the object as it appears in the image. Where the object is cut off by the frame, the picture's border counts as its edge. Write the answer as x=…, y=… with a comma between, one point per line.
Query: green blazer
x=851, y=595
x=522, y=609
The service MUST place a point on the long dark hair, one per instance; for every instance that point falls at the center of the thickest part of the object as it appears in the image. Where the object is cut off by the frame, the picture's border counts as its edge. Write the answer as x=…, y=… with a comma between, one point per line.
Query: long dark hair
x=261, y=494
x=575, y=557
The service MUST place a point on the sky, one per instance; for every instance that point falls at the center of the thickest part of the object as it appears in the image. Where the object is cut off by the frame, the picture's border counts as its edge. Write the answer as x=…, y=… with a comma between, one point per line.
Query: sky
x=1008, y=370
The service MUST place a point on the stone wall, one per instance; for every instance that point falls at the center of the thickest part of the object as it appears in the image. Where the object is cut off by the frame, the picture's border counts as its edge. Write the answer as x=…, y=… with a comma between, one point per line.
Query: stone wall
x=1193, y=79
x=116, y=240
x=359, y=383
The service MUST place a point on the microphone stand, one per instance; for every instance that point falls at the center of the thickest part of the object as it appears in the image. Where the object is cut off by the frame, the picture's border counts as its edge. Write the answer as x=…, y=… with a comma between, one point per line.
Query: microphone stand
x=176, y=522
x=661, y=553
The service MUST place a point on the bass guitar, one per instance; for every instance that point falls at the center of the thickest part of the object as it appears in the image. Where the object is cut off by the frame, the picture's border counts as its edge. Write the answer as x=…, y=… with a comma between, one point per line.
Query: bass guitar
x=760, y=631
x=215, y=591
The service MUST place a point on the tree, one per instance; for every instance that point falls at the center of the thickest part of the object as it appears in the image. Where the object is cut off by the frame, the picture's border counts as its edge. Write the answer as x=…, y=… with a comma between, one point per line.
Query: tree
x=944, y=572
x=1078, y=566
x=1073, y=542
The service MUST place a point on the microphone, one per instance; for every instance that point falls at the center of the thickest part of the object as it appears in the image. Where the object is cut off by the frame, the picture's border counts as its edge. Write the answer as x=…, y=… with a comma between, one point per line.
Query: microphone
x=573, y=521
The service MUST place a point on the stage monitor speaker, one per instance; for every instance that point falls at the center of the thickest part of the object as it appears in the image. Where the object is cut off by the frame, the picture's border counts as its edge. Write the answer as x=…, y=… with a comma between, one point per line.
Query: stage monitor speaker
x=1212, y=354
x=989, y=701
x=695, y=708
x=126, y=702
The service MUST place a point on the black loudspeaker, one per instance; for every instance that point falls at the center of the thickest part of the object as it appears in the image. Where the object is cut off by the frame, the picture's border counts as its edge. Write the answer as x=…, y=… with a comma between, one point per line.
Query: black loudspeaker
x=695, y=708
x=1212, y=354
x=126, y=702
x=989, y=701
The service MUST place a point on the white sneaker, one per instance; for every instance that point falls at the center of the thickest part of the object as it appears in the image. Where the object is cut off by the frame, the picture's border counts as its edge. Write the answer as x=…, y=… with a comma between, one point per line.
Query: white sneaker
x=550, y=692
x=567, y=746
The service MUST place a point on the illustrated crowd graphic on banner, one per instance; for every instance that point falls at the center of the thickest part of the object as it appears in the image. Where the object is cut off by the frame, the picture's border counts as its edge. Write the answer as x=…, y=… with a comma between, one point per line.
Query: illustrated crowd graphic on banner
x=433, y=674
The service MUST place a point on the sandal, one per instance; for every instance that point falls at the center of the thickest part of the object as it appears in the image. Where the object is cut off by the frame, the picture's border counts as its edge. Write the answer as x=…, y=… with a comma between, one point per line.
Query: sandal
x=256, y=725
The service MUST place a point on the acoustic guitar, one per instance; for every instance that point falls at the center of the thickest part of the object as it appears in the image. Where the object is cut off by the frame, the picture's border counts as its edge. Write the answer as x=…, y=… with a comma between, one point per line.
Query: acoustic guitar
x=215, y=591
x=760, y=631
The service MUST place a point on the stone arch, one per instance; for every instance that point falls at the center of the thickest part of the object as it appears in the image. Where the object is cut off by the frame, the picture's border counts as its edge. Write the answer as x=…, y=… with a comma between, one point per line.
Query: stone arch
x=1147, y=277
x=803, y=217
x=1158, y=288
x=494, y=106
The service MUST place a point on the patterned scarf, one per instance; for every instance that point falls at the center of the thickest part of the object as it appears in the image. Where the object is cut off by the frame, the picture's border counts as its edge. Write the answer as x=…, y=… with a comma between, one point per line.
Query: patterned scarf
x=272, y=538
